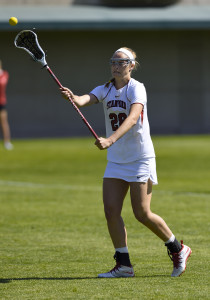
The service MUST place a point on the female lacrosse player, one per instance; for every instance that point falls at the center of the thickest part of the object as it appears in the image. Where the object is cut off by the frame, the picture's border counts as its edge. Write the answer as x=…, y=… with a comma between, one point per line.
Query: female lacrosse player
x=4, y=76
x=131, y=162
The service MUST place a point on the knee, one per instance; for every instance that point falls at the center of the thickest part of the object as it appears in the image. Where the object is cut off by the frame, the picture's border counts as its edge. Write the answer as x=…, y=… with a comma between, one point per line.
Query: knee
x=143, y=217
x=111, y=213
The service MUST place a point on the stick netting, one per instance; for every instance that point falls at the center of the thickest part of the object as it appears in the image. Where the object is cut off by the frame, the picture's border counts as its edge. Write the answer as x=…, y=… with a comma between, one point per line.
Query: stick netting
x=27, y=40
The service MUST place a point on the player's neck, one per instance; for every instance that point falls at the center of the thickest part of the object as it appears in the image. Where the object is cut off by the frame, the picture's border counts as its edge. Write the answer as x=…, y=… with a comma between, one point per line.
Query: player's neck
x=121, y=82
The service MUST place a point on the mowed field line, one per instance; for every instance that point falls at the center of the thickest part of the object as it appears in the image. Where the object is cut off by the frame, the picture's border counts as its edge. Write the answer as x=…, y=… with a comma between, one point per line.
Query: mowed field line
x=50, y=186
x=86, y=188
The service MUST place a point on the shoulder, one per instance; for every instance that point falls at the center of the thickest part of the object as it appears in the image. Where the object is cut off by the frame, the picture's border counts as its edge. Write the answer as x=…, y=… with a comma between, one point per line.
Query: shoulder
x=101, y=91
x=135, y=87
x=5, y=74
x=133, y=83
x=136, y=92
x=104, y=86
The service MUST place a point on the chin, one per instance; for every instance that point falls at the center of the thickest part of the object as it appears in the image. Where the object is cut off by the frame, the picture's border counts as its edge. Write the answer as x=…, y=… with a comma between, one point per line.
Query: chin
x=115, y=75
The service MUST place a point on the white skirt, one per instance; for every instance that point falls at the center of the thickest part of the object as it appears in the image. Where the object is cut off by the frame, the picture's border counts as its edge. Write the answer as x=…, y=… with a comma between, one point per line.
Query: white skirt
x=138, y=171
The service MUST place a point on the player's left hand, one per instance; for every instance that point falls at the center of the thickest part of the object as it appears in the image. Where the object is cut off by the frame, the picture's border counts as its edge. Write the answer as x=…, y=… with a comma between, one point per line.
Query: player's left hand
x=103, y=143
x=66, y=93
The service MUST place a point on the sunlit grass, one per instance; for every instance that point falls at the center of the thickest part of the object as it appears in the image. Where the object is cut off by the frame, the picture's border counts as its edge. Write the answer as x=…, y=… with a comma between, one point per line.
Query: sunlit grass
x=54, y=239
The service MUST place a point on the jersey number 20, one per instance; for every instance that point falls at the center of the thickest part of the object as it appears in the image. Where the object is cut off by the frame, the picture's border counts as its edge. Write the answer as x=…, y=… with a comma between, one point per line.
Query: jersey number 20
x=117, y=120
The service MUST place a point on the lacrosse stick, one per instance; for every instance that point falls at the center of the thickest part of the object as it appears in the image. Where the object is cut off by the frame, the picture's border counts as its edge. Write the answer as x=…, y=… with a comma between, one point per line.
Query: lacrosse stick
x=28, y=41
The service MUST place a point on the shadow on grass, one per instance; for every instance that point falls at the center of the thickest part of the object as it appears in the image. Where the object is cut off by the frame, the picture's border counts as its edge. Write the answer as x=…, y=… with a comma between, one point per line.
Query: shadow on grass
x=8, y=280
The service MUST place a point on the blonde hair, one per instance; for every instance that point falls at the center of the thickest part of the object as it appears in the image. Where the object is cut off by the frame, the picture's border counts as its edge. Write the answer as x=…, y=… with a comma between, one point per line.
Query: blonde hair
x=134, y=55
x=134, y=69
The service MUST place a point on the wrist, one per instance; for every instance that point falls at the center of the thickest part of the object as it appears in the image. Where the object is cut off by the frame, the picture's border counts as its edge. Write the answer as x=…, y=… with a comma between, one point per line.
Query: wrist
x=111, y=140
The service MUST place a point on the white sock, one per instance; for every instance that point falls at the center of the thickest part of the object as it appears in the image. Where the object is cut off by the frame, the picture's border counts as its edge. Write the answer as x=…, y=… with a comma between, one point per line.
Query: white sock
x=122, y=250
x=171, y=240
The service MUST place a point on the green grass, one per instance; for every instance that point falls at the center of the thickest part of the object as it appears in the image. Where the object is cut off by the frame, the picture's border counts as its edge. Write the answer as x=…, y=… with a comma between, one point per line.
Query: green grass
x=53, y=235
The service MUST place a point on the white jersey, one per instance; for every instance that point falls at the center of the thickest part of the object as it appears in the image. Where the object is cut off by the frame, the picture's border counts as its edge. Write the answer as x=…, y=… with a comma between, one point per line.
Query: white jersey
x=136, y=143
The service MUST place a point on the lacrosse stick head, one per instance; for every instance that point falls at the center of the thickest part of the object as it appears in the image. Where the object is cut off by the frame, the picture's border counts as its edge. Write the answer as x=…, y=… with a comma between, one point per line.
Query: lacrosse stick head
x=28, y=41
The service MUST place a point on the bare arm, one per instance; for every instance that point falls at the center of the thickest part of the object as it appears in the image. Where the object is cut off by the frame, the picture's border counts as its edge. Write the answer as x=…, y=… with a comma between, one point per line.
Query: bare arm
x=130, y=121
x=80, y=101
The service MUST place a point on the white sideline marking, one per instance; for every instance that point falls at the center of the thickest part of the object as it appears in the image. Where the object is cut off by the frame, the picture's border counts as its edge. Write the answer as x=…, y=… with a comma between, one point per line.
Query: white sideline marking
x=87, y=188
x=50, y=186
x=177, y=193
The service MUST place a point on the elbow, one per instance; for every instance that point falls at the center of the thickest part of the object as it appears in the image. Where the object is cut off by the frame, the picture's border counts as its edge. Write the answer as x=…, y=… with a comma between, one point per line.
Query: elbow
x=79, y=104
x=133, y=122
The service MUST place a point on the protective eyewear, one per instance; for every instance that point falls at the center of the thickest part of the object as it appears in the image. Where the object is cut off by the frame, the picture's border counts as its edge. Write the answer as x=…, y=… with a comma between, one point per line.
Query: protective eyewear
x=120, y=62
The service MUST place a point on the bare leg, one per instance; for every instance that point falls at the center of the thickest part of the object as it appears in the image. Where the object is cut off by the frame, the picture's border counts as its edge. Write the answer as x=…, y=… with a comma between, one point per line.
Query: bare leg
x=141, y=194
x=5, y=125
x=114, y=192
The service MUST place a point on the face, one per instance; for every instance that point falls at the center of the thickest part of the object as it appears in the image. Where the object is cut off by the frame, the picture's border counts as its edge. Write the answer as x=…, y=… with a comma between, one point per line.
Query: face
x=121, y=66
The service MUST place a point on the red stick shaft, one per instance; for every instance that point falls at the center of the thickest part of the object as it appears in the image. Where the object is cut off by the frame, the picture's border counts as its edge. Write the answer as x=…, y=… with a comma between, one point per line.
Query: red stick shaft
x=73, y=104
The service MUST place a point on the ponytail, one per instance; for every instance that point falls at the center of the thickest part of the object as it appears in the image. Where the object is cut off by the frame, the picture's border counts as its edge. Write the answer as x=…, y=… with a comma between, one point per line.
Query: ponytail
x=110, y=81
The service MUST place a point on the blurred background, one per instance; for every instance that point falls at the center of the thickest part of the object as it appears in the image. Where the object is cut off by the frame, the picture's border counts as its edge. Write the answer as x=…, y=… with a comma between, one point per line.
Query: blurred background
x=172, y=41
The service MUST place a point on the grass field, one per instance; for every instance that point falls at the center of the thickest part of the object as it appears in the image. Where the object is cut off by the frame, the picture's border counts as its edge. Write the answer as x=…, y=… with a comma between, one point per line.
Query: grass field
x=53, y=234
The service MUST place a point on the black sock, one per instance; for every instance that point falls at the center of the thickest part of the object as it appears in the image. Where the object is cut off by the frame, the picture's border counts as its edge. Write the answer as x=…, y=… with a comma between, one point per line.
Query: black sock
x=122, y=258
x=174, y=247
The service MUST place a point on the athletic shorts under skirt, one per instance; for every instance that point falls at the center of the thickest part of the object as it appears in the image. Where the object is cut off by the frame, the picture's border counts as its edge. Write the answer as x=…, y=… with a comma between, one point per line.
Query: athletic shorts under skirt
x=138, y=171
x=2, y=107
